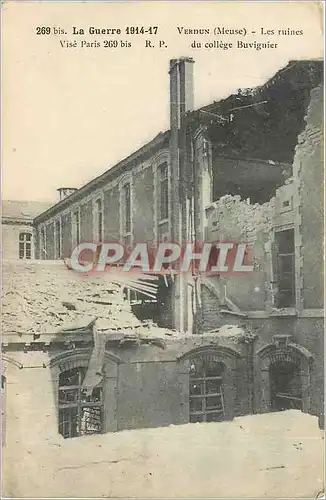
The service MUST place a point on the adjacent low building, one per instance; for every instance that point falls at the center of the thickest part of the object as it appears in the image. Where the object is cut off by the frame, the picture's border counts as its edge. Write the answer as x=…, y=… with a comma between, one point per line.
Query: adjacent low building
x=18, y=230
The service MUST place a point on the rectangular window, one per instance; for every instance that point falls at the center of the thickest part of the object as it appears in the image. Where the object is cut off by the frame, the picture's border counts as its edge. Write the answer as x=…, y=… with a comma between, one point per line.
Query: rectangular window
x=285, y=269
x=58, y=239
x=99, y=220
x=163, y=192
x=126, y=207
x=25, y=246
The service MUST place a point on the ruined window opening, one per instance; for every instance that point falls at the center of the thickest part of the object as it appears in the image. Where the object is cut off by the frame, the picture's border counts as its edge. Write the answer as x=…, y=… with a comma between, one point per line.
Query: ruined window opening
x=25, y=246
x=99, y=220
x=285, y=386
x=285, y=268
x=163, y=192
x=58, y=239
x=206, y=403
x=79, y=414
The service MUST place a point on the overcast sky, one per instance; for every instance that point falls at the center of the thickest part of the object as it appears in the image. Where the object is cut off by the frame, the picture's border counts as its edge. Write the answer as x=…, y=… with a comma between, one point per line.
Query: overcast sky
x=70, y=114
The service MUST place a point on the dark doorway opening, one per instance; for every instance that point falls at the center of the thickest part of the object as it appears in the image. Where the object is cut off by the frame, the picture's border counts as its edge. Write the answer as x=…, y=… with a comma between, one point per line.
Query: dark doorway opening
x=286, y=386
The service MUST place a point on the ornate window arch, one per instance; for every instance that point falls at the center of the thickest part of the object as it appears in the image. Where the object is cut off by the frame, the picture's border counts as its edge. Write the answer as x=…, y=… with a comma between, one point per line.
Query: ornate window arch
x=212, y=382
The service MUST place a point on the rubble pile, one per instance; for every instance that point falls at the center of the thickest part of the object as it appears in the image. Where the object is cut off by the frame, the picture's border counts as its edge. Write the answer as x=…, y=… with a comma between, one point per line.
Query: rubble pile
x=237, y=218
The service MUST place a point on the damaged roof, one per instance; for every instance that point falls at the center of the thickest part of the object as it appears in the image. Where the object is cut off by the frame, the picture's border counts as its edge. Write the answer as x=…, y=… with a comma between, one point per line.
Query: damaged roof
x=47, y=297
x=45, y=301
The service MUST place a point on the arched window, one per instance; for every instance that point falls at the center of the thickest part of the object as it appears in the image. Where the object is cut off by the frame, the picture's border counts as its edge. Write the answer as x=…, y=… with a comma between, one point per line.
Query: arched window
x=126, y=209
x=206, y=403
x=80, y=413
x=162, y=196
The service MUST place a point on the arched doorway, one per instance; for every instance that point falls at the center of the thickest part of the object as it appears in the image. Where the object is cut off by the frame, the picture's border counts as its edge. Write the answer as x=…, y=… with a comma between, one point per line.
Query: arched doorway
x=282, y=376
x=285, y=385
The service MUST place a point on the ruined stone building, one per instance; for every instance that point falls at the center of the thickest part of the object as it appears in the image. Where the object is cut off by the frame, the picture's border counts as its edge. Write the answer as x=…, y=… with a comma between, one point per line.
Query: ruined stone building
x=103, y=356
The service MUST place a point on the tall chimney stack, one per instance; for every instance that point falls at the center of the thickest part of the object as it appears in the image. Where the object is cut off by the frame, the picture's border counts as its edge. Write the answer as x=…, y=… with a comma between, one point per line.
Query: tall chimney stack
x=181, y=102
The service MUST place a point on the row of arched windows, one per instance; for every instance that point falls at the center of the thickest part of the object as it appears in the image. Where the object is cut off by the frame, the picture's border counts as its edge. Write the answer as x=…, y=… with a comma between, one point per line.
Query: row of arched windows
x=81, y=413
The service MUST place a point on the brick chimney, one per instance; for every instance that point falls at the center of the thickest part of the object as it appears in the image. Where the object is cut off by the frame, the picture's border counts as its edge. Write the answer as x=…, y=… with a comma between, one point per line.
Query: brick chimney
x=181, y=102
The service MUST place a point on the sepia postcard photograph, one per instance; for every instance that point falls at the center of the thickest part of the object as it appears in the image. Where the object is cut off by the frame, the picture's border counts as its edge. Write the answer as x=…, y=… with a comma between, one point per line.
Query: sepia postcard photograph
x=162, y=249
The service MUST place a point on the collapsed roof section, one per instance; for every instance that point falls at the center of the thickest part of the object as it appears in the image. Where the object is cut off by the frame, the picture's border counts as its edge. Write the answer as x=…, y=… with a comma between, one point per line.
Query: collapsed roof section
x=47, y=298
x=45, y=302
x=264, y=122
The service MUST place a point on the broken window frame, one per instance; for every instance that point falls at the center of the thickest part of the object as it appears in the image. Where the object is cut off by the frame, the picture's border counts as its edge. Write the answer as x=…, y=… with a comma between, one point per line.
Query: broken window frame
x=72, y=413
x=25, y=245
x=203, y=381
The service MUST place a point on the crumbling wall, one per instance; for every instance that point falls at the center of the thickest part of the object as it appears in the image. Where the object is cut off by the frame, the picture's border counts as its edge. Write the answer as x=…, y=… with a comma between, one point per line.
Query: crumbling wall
x=233, y=219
